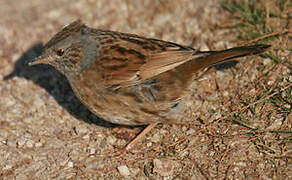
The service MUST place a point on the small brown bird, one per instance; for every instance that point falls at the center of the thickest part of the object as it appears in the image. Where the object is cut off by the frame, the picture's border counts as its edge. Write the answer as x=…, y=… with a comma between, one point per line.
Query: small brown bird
x=128, y=79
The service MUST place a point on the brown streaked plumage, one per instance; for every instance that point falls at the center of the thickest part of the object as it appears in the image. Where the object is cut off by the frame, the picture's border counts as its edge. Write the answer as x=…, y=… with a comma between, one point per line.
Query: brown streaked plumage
x=128, y=79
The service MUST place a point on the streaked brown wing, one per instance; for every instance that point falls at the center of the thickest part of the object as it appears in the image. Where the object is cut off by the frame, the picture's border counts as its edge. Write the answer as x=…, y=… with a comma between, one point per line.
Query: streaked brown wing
x=126, y=59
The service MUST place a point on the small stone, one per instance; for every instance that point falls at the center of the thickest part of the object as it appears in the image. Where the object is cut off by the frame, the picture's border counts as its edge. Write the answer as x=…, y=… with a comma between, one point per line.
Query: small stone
x=70, y=164
x=155, y=138
x=184, y=154
x=270, y=82
x=267, y=61
x=217, y=116
x=190, y=131
x=100, y=136
x=236, y=169
x=7, y=166
x=38, y=144
x=29, y=143
x=39, y=102
x=184, y=128
x=28, y=120
x=86, y=137
x=4, y=142
x=21, y=142
x=149, y=144
x=91, y=150
x=225, y=93
x=82, y=129
x=134, y=171
x=276, y=124
x=111, y=140
x=124, y=170
x=163, y=167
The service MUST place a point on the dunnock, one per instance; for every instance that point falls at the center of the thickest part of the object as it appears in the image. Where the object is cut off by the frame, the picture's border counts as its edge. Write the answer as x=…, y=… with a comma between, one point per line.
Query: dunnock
x=128, y=79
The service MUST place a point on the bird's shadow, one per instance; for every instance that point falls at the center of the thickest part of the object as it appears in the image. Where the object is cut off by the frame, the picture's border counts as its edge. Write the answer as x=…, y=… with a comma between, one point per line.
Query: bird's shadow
x=55, y=84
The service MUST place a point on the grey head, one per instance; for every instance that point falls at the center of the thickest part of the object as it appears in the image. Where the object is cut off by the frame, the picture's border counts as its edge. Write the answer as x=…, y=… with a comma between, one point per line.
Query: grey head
x=66, y=51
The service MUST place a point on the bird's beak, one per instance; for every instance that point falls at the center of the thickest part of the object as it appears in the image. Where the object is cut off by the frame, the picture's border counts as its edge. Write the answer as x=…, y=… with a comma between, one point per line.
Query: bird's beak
x=41, y=60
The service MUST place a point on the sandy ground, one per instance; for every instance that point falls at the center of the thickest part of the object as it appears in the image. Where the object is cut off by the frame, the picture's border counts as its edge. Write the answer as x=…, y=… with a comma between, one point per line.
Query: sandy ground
x=46, y=133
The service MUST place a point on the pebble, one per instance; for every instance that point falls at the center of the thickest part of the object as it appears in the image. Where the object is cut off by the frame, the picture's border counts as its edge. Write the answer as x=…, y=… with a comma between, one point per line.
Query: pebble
x=155, y=138
x=124, y=170
x=149, y=144
x=21, y=142
x=29, y=143
x=134, y=171
x=163, y=167
x=267, y=61
x=86, y=137
x=82, y=129
x=7, y=166
x=38, y=144
x=276, y=124
x=111, y=140
x=91, y=150
x=70, y=164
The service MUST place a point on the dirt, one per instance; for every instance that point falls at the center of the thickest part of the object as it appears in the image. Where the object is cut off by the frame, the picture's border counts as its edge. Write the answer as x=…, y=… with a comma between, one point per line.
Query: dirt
x=46, y=133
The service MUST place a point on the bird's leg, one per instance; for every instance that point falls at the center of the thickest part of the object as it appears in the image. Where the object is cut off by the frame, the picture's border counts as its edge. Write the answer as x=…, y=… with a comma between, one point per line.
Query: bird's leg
x=133, y=142
x=140, y=136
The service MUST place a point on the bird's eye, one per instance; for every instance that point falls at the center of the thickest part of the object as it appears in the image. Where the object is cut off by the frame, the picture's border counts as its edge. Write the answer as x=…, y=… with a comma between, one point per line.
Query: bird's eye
x=60, y=52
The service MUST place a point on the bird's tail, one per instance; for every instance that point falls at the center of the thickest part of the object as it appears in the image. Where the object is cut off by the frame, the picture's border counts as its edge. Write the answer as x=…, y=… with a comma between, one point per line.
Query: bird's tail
x=217, y=57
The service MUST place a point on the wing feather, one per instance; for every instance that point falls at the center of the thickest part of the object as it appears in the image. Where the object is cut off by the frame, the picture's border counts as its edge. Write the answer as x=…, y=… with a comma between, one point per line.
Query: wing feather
x=132, y=59
x=161, y=62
